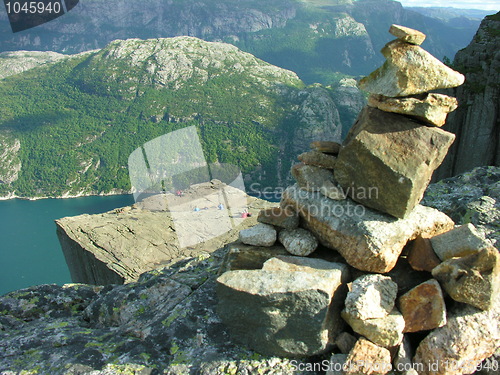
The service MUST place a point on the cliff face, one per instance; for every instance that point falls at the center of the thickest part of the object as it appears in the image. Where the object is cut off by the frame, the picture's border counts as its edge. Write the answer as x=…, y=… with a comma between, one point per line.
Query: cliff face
x=476, y=122
x=118, y=246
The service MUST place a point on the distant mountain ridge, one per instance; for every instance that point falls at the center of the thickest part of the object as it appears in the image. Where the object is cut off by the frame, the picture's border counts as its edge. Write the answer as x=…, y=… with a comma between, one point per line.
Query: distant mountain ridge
x=68, y=128
x=317, y=39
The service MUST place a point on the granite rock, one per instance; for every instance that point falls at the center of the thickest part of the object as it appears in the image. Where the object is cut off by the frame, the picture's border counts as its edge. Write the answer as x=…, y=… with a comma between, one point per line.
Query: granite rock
x=473, y=279
x=368, y=240
x=371, y=296
x=326, y=147
x=387, y=161
x=469, y=337
x=245, y=257
x=366, y=358
x=313, y=178
x=386, y=332
x=279, y=217
x=421, y=255
x=259, y=235
x=298, y=241
x=407, y=35
x=458, y=242
x=318, y=159
x=409, y=70
x=423, y=307
x=430, y=108
x=268, y=309
x=345, y=342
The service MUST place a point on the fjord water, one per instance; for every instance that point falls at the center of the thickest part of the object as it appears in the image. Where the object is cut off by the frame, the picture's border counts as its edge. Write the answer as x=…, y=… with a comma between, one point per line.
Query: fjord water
x=30, y=253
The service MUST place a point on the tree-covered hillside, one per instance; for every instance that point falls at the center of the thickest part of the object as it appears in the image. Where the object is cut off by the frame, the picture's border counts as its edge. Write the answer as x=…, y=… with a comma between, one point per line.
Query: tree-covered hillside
x=70, y=126
x=320, y=40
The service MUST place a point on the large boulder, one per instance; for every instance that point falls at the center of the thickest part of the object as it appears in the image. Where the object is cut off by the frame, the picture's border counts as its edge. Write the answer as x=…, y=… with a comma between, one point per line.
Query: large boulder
x=387, y=161
x=469, y=337
x=409, y=70
x=289, y=308
x=473, y=279
x=367, y=239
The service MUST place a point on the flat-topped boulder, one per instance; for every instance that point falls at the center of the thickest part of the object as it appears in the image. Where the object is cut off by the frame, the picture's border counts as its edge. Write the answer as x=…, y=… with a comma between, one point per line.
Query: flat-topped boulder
x=407, y=34
x=117, y=246
x=368, y=240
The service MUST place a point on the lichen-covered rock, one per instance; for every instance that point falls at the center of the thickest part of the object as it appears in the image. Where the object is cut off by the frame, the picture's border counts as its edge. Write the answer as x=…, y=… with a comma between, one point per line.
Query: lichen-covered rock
x=268, y=309
x=279, y=217
x=473, y=279
x=458, y=242
x=371, y=296
x=386, y=332
x=318, y=159
x=430, y=108
x=43, y=330
x=298, y=241
x=469, y=337
x=423, y=307
x=367, y=239
x=387, y=161
x=259, y=235
x=472, y=197
x=409, y=70
x=407, y=35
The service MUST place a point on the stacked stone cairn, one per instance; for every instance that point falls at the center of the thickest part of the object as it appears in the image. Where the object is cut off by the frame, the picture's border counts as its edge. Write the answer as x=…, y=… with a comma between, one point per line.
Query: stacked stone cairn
x=351, y=264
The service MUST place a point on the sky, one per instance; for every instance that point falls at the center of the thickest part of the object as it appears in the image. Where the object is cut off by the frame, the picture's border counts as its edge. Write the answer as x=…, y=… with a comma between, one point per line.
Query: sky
x=461, y=4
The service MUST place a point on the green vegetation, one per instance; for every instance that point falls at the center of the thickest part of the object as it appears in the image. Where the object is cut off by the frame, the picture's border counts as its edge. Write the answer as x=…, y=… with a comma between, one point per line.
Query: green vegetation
x=79, y=120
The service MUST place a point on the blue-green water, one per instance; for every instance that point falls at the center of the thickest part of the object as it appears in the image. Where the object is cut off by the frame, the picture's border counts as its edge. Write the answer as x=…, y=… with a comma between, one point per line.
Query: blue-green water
x=30, y=253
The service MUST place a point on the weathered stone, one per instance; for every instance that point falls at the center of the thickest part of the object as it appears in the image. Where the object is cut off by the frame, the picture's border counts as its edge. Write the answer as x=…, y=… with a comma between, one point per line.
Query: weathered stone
x=458, y=242
x=368, y=240
x=298, y=241
x=327, y=147
x=268, y=309
x=371, y=296
x=409, y=70
x=43, y=329
x=280, y=217
x=421, y=256
x=388, y=160
x=407, y=35
x=345, y=342
x=318, y=159
x=313, y=178
x=336, y=364
x=423, y=307
x=244, y=257
x=259, y=235
x=473, y=279
x=431, y=108
x=366, y=358
x=469, y=337
x=386, y=332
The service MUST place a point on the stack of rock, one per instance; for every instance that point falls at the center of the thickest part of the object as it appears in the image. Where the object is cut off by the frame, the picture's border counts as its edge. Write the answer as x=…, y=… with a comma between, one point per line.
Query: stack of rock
x=351, y=262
